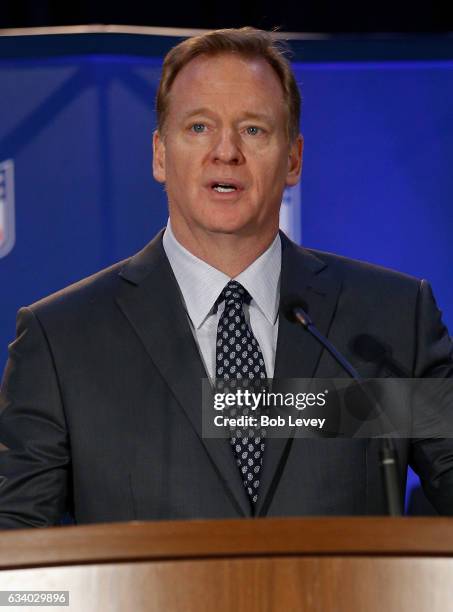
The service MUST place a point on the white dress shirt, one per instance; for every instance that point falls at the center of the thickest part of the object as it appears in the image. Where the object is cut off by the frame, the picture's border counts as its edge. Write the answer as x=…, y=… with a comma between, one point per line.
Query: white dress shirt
x=201, y=285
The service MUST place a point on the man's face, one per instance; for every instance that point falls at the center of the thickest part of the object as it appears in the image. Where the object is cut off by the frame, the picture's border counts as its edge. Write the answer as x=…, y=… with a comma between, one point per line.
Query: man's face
x=224, y=154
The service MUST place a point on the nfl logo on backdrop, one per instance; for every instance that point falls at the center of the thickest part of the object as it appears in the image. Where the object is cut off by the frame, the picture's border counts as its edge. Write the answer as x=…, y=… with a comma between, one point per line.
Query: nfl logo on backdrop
x=7, y=232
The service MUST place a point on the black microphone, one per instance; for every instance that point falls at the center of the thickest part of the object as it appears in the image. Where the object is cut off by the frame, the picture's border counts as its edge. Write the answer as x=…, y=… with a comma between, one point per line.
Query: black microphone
x=295, y=310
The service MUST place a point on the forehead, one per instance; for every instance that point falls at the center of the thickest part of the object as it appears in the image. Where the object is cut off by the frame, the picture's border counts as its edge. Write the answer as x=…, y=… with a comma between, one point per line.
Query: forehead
x=227, y=80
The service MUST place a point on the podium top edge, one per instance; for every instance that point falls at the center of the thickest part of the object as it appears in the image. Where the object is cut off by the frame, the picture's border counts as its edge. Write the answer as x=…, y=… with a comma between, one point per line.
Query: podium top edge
x=232, y=538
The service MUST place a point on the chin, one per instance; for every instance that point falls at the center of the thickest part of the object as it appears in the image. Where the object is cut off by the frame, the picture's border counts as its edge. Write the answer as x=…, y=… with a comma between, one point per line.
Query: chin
x=227, y=226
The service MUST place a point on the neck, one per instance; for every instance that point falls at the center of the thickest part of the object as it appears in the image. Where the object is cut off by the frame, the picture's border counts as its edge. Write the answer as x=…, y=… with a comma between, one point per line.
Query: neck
x=229, y=253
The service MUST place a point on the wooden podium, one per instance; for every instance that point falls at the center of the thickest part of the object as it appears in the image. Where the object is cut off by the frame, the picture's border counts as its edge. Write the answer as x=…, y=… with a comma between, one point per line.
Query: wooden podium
x=257, y=565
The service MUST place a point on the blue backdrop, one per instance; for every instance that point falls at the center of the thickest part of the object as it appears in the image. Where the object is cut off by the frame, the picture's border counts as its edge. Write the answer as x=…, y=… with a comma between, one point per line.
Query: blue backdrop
x=75, y=131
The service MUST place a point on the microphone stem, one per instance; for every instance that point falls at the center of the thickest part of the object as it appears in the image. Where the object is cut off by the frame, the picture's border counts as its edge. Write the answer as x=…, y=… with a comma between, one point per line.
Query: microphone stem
x=391, y=480
x=335, y=354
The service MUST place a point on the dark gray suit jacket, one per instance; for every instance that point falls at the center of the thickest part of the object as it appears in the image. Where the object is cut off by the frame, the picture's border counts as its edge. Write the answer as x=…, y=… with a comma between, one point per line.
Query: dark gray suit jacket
x=100, y=401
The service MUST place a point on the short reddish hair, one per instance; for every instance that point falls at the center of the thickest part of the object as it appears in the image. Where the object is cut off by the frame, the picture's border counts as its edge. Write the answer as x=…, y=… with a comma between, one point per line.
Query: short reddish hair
x=248, y=42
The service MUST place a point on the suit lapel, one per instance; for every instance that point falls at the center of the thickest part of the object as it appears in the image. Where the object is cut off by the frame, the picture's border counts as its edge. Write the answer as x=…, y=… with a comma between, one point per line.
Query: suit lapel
x=151, y=301
x=307, y=278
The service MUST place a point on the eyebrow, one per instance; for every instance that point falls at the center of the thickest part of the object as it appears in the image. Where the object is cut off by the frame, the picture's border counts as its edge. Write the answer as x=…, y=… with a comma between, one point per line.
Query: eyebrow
x=248, y=115
x=259, y=117
x=203, y=110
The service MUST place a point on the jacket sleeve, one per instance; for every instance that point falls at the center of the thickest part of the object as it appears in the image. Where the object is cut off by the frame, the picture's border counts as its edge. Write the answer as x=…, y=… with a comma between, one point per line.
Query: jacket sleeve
x=432, y=458
x=34, y=444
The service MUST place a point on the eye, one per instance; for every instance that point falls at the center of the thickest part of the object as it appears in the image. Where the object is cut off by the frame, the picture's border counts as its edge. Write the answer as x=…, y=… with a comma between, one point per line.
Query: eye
x=198, y=128
x=253, y=130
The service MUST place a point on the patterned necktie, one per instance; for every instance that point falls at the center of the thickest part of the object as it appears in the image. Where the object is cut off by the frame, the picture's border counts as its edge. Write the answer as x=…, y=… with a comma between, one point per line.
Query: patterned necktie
x=239, y=356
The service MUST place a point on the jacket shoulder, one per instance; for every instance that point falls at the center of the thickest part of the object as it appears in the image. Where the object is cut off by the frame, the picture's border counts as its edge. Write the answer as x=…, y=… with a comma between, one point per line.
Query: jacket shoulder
x=102, y=286
x=363, y=271
x=95, y=288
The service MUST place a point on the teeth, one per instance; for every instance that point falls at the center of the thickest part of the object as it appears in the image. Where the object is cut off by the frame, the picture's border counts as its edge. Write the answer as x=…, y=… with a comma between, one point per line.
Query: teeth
x=224, y=188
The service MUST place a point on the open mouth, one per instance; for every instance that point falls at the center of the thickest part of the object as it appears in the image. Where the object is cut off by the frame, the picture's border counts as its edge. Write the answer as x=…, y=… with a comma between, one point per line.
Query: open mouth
x=224, y=187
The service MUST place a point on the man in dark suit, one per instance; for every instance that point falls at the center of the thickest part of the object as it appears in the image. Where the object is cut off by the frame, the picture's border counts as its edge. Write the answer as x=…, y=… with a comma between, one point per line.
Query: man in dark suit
x=101, y=397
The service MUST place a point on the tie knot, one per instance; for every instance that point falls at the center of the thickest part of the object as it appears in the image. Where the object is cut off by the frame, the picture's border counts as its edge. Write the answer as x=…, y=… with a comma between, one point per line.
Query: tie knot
x=234, y=293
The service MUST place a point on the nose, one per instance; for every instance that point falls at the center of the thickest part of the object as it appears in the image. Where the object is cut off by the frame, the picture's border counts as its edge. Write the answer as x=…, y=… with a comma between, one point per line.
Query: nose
x=227, y=148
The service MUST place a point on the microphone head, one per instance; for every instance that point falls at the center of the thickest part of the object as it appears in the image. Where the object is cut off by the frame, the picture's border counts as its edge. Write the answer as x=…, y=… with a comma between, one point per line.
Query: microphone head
x=290, y=305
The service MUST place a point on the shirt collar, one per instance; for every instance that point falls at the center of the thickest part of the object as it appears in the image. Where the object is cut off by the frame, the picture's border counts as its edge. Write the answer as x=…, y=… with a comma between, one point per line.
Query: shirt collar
x=262, y=280
x=201, y=284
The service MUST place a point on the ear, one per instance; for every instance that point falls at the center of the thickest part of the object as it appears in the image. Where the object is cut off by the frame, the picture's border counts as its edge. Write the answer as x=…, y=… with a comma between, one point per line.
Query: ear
x=158, y=157
x=295, y=161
